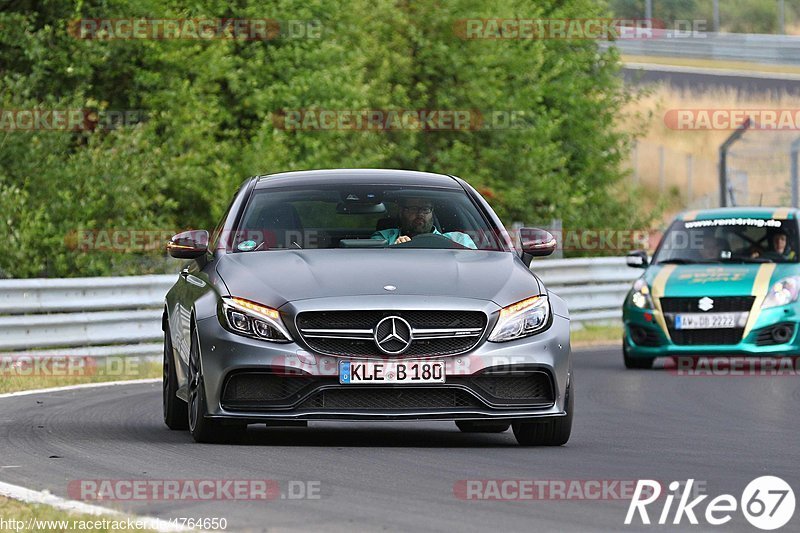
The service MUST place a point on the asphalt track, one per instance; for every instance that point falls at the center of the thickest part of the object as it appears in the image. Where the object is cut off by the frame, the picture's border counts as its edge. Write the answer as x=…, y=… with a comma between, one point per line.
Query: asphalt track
x=720, y=430
x=707, y=79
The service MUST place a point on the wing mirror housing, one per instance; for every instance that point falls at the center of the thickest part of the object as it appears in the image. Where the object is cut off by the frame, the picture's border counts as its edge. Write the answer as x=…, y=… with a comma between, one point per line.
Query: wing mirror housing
x=536, y=242
x=637, y=259
x=188, y=244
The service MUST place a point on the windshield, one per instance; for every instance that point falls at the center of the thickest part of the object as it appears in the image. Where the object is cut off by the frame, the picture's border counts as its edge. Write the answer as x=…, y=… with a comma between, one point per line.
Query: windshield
x=362, y=216
x=729, y=240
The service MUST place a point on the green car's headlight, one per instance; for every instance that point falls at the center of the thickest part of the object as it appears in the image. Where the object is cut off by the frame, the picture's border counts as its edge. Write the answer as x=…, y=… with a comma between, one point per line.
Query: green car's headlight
x=524, y=318
x=640, y=297
x=783, y=292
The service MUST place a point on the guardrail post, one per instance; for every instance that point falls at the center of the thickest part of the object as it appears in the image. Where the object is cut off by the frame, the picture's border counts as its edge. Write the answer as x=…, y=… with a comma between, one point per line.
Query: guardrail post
x=795, y=186
x=723, y=160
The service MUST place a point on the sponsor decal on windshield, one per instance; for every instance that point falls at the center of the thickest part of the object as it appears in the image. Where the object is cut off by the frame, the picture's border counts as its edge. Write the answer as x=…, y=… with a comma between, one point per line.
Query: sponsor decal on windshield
x=717, y=222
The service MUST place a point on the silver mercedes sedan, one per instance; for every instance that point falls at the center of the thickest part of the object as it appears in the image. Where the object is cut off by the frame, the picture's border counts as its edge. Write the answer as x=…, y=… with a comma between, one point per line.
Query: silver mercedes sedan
x=364, y=295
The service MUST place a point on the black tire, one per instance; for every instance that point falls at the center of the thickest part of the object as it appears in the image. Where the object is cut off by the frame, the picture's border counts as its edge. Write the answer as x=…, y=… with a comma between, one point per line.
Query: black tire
x=472, y=426
x=642, y=363
x=549, y=431
x=175, y=409
x=204, y=429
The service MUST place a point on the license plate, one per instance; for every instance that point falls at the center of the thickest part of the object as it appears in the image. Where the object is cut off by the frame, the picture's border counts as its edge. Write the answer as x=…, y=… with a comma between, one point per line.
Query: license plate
x=710, y=320
x=366, y=372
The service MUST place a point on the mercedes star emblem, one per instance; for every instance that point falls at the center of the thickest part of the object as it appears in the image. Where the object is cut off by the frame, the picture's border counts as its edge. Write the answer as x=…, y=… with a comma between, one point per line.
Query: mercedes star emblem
x=392, y=335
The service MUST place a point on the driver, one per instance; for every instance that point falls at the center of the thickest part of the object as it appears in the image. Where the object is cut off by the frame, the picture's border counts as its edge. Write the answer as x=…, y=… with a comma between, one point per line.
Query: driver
x=779, y=249
x=416, y=218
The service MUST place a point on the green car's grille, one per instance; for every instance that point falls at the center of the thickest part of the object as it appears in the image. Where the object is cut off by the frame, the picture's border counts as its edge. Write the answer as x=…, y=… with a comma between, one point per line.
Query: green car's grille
x=722, y=304
x=696, y=337
x=699, y=337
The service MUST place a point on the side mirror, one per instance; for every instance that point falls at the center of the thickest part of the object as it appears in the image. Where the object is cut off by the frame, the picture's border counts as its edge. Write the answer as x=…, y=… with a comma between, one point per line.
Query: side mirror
x=188, y=245
x=637, y=259
x=537, y=242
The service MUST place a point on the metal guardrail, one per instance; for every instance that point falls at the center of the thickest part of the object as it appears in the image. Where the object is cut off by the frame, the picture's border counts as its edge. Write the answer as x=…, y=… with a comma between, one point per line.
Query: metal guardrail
x=755, y=48
x=121, y=316
x=594, y=289
x=83, y=316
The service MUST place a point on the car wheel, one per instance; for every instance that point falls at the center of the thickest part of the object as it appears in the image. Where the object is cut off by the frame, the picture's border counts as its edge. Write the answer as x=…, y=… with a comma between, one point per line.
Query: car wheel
x=548, y=431
x=204, y=429
x=175, y=409
x=636, y=362
x=472, y=426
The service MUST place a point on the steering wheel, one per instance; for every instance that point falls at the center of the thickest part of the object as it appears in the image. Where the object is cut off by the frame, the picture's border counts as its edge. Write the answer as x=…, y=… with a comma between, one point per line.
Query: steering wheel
x=430, y=240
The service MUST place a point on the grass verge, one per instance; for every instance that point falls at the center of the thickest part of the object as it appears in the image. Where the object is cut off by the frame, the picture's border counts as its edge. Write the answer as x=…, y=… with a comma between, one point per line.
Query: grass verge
x=19, y=373
x=35, y=518
x=596, y=335
x=744, y=66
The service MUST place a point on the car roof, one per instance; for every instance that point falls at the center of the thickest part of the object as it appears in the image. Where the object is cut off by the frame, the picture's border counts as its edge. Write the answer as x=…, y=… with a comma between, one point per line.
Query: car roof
x=361, y=176
x=749, y=212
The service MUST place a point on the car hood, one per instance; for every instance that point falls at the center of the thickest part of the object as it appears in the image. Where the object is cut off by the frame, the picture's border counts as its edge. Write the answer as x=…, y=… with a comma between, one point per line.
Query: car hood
x=718, y=279
x=274, y=278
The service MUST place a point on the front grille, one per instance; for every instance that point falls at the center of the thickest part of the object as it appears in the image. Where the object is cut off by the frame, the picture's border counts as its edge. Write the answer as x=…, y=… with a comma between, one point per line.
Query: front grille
x=265, y=387
x=697, y=337
x=368, y=319
x=390, y=398
x=350, y=333
x=528, y=388
x=429, y=347
x=264, y=391
x=722, y=304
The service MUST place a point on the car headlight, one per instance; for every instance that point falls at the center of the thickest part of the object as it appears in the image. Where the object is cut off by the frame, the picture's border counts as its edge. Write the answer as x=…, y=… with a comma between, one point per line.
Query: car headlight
x=254, y=320
x=528, y=317
x=640, y=297
x=783, y=292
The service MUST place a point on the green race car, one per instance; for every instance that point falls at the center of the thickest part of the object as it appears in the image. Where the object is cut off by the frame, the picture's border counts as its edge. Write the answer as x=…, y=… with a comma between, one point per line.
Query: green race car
x=721, y=282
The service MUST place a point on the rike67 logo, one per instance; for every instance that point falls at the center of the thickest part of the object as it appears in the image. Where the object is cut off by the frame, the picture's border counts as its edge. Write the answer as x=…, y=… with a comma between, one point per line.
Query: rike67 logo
x=767, y=503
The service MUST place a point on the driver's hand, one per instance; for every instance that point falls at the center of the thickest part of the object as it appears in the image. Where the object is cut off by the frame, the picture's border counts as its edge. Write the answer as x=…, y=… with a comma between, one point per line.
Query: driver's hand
x=402, y=238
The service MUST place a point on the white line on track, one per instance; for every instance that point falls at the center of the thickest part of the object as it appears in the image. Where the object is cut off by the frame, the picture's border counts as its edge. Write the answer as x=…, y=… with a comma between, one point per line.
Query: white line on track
x=22, y=494
x=77, y=387
x=45, y=498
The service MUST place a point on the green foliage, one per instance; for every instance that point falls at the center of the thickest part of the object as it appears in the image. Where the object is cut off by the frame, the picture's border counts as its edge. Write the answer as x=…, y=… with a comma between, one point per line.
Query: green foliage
x=209, y=117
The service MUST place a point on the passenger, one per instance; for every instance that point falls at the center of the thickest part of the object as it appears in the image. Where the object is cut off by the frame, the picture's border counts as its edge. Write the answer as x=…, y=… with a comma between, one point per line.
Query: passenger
x=712, y=247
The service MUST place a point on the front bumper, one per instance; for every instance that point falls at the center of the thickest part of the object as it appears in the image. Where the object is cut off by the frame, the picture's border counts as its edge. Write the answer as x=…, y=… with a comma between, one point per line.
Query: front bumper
x=224, y=354
x=643, y=337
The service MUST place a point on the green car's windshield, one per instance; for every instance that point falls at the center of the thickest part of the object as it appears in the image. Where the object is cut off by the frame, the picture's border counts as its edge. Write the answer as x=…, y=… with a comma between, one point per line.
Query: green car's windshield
x=362, y=216
x=725, y=240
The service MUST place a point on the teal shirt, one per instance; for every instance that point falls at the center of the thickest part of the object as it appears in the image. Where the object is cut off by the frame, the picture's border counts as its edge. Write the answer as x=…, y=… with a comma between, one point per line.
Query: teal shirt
x=391, y=235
